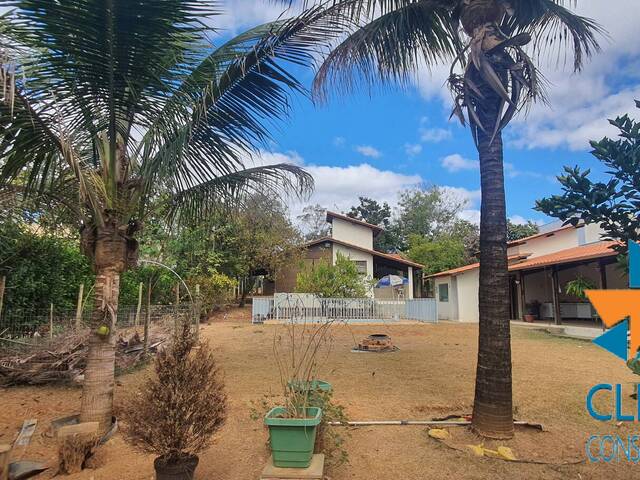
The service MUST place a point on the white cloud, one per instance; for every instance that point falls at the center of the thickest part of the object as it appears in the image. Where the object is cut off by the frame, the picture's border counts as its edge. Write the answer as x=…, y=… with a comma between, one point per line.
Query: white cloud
x=238, y=15
x=368, y=151
x=520, y=220
x=412, y=149
x=435, y=135
x=339, y=141
x=456, y=162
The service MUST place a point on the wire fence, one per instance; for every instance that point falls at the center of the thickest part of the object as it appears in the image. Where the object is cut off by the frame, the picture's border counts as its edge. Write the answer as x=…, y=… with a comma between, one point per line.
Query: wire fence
x=44, y=346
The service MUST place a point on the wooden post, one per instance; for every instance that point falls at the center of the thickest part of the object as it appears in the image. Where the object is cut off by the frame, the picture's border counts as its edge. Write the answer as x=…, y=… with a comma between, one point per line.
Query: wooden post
x=5, y=453
x=147, y=320
x=79, y=307
x=197, y=311
x=523, y=304
x=177, y=294
x=3, y=282
x=51, y=321
x=137, y=319
x=603, y=275
x=555, y=296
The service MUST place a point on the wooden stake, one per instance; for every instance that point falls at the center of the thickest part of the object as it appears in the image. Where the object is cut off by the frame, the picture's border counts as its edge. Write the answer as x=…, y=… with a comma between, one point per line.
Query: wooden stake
x=147, y=319
x=5, y=453
x=51, y=321
x=197, y=312
x=137, y=319
x=3, y=282
x=79, y=307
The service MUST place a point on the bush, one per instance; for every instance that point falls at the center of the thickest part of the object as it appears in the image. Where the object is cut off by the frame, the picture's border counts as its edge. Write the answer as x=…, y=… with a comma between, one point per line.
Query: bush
x=177, y=411
x=216, y=289
x=341, y=280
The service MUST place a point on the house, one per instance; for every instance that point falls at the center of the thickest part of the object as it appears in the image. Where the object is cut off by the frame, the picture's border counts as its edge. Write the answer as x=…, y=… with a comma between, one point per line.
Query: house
x=539, y=268
x=354, y=239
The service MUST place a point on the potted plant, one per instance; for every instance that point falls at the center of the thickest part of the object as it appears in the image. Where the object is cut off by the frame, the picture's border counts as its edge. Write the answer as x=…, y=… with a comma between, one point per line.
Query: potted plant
x=293, y=426
x=176, y=412
x=533, y=311
x=579, y=286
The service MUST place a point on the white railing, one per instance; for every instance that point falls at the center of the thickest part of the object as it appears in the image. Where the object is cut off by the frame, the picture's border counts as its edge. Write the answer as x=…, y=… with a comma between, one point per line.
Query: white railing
x=303, y=307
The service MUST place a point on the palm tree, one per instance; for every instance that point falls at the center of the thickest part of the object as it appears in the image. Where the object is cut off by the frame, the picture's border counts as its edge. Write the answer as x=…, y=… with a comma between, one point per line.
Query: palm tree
x=491, y=78
x=108, y=105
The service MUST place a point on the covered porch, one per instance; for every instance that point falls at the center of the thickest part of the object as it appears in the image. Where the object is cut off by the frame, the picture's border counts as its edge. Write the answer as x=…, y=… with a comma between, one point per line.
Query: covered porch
x=538, y=286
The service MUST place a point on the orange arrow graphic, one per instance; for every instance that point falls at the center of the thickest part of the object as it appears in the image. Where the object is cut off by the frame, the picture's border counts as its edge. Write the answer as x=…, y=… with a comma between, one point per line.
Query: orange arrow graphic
x=614, y=306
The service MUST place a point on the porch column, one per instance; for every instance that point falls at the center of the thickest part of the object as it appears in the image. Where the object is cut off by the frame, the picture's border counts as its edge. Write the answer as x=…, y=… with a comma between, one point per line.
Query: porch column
x=521, y=303
x=555, y=296
x=603, y=274
x=410, y=285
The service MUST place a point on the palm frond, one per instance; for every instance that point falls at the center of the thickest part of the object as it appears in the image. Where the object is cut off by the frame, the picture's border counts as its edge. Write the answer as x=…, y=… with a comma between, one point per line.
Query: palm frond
x=201, y=201
x=553, y=28
x=226, y=108
x=392, y=46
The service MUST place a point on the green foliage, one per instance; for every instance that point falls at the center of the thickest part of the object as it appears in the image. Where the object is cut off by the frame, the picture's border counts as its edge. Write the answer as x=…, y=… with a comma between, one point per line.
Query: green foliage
x=518, y=231
x=436, y=255
x=578, y=286
x=612, y=204
x=372, y=212
x=341, y=280
x=216, y=289
x=41, y=269
x=163, y=284
x=314, y=222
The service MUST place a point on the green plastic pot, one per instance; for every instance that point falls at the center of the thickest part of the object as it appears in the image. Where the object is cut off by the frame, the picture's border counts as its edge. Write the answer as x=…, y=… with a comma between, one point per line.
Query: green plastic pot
x=292, y=440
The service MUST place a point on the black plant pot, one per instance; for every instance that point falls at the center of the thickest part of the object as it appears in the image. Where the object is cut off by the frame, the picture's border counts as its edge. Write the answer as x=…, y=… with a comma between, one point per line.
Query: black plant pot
x=182, y=469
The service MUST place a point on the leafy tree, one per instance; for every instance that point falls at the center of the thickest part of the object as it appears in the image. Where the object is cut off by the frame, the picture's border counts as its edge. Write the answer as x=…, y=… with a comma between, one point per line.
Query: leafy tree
x=491, y=79
x=314, y=222
x=41, y=269
x=469, y=234
x=612, y=204
x=372, y=212
x=428, y=212
x=517, y=231
x=436, y=255
x=341, y=280
x=107, y=105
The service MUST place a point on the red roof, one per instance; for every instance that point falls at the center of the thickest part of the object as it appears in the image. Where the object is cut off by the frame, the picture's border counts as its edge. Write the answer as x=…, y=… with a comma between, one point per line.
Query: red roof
x=549, y=233
x=331, y=215
x=389, y=256
x=569, y=255
x=575, y=254
x=455, y=271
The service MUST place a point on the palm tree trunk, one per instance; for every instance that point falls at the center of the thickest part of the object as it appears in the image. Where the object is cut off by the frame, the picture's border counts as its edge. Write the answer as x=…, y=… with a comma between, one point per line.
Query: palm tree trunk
x=492, y=408
x=97, y=393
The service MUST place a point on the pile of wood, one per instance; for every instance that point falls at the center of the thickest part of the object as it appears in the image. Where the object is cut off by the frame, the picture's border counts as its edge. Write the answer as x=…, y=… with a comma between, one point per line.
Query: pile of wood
x=64, y=359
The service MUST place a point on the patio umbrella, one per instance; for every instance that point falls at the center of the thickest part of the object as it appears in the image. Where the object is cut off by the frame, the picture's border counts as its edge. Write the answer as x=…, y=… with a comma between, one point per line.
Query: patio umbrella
x=392, y=281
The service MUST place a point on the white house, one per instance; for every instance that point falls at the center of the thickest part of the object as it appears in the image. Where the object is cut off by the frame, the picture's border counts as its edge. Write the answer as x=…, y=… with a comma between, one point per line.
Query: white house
x=540, y=267
x=354, y=239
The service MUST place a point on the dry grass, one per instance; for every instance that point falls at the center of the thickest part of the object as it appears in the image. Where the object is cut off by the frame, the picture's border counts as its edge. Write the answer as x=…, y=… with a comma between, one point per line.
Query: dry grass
x=431, y=375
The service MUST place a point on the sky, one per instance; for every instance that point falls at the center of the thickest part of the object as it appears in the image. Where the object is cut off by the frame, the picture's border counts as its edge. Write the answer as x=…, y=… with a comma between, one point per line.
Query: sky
x=377, y=143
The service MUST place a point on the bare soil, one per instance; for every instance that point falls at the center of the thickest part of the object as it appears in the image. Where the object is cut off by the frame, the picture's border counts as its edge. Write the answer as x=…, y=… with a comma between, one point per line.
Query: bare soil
x=431, y=375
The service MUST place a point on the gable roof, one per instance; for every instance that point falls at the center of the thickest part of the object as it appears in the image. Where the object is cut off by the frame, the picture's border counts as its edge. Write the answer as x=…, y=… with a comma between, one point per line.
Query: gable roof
x=473, y=266
x=388, y=256
x=331, y=215
x=549, y=233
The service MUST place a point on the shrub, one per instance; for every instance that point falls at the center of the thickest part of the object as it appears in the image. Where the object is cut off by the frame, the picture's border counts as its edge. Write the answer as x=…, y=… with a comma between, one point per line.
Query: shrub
x=216, y=289
x=177, y=411
x=341, y=280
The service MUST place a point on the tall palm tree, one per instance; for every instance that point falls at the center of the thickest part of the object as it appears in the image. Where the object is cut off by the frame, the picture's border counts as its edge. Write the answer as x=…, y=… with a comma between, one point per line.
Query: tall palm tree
x=115, y=103
x=491, y=78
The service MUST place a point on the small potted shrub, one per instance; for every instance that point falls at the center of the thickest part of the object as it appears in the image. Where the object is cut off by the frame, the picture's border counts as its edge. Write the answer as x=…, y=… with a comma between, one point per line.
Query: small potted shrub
x=293, y=426
x=533, y=311
x=176, y=412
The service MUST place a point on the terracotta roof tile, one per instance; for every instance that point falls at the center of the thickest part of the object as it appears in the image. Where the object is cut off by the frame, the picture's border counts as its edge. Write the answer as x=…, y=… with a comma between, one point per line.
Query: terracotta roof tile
x=575, y=254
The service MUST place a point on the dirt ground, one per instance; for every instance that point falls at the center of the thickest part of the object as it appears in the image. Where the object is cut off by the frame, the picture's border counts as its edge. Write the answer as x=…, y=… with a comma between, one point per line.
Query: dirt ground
x=431, y=375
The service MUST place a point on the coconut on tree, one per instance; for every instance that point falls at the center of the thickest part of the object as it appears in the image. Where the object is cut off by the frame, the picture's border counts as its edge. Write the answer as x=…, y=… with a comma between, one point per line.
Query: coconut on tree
x=108, y=105
x=489, y=45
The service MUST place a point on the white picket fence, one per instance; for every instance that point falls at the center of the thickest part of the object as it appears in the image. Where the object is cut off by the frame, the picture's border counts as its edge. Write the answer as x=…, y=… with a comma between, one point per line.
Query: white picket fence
x=307, y=308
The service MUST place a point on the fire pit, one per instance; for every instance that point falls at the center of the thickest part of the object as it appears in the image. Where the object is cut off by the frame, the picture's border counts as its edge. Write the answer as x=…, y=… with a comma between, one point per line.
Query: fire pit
x=378, y=342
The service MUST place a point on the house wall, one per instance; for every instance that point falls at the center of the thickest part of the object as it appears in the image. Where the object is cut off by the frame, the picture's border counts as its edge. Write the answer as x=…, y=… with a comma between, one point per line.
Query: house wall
x=351, y=233
x=467, y=290
x=560, y=240
x=287, y=277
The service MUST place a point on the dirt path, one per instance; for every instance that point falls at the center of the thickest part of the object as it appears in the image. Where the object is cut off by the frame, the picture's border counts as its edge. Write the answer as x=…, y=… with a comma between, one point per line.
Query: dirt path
x=431, y=375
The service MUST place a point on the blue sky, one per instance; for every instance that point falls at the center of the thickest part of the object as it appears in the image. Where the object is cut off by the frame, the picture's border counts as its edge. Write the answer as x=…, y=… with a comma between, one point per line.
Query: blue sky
x=377, y=145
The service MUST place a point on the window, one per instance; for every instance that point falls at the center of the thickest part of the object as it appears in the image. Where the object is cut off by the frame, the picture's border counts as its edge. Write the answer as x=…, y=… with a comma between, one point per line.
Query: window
x=361, y=265
x=443, y=292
